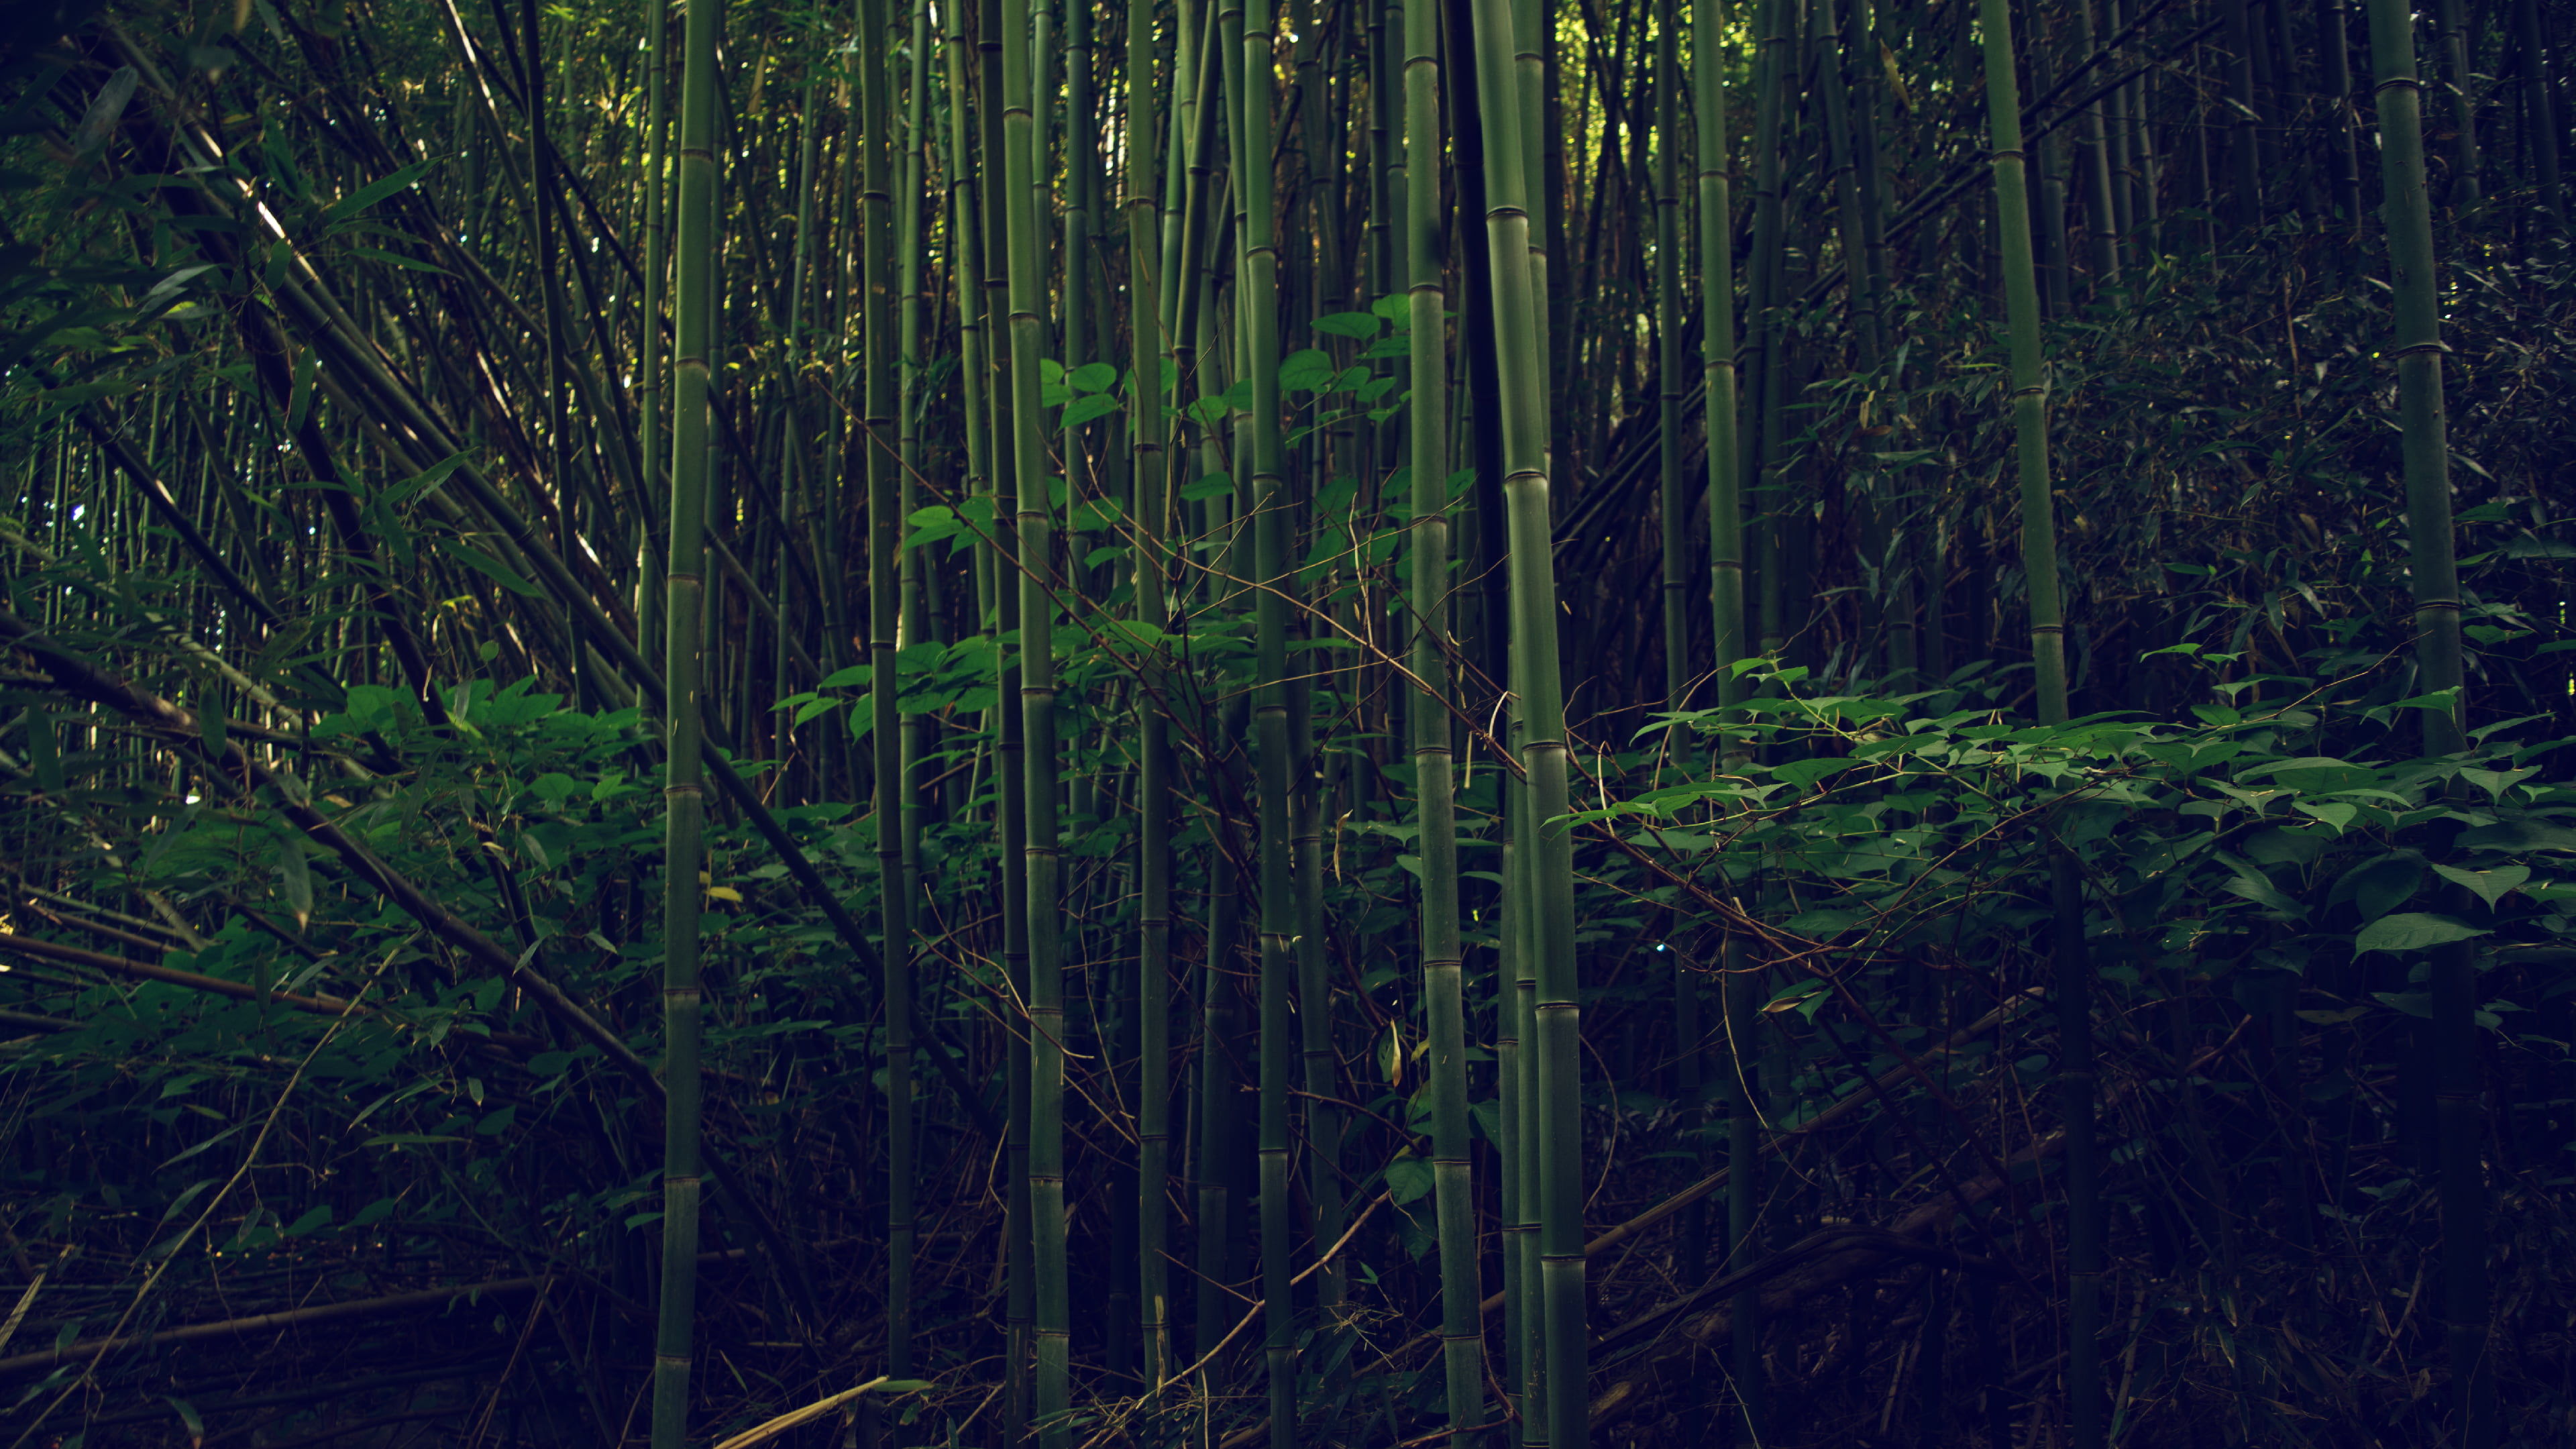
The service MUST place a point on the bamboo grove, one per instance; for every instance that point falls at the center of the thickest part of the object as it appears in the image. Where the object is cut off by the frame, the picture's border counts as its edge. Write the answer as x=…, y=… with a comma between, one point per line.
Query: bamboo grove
x=1294, y=722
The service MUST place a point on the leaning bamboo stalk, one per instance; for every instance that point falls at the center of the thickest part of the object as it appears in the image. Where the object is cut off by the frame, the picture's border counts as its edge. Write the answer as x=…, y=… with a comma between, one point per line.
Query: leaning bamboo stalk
x=391, y=406
x=39, y=949
x=769, y=1429
x=287, y=1320
x=648, y=373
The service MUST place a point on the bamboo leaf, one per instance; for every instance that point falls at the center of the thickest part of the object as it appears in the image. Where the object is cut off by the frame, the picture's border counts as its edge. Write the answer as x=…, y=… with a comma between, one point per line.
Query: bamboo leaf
x=300, y=400
x=397, y=259
x=295, y=879
x=376, y=191
x=105, y=110
x=490, y=567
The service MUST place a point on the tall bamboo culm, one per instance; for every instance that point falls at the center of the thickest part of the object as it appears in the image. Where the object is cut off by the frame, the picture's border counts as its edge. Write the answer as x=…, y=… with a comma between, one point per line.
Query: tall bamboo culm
x=1715, y=236
x=885, y=523
x=2433, y=573
x=1050, y=1310
x=684, y=793
x=1257, y=341
x=1153, y=727
x=1551, y=1060
x=1674, y=499
x=649, y=395
x=1426, y=607
x=2074, y=987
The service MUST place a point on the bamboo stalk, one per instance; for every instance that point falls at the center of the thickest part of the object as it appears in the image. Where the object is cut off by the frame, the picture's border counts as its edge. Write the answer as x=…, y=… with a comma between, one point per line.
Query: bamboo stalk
x=1435, y=813
x=2451, y=39
x=2076, y=1080
x=1251, y=99
x=1050, y=1310
x=1556, y=1016
x=1675, y=502
x=877, y=428
x=1145, y=258
x=2433, y=573
x=698, y=279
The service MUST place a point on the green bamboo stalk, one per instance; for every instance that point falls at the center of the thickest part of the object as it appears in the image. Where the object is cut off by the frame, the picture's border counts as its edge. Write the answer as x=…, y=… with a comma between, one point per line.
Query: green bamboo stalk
x=1727, y=551
x=1178, y=175
x=684, y=789
x=648, y=374
x=1307, y=809
x=1675, y=517
x=2101, y=231
x=1773, y=77
x=549, y=262
x=1513, y=1146
x=1082, y=164
x=1674, y=497
x=2451, y=39
x=1383, y=57
x=1153, y=774
x=966, y=271
x=799, y=475
x=1046, y=793
x=1003, y=142
x=2245, y=207
x=1859, y=289
x=1216, y=1150
x=1877, y=603
x=885, y=532
x=1531, y=21
x=2540, y=109
x=1554, y=1072
x=2029, y=364
x=1435, y=812
x=1901, y=558
x=1051, y=1323
x=2084, y=1394
x=967, y=234
x=2433, y=572
x=1716, y=239
x=1257, y=341
x=1520, y=996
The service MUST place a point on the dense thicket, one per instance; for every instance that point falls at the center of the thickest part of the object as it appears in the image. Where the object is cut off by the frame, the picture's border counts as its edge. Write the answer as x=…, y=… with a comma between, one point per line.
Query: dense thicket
x=1361, y=723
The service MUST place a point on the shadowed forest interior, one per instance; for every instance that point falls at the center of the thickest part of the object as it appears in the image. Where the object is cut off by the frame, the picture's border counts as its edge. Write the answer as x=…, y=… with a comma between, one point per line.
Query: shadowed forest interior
x=1501, y=723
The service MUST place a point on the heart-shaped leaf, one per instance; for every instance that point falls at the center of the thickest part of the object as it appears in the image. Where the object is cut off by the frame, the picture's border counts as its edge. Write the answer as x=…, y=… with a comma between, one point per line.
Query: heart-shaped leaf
x=2412, y=931
x=2490, y=886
